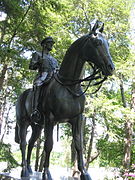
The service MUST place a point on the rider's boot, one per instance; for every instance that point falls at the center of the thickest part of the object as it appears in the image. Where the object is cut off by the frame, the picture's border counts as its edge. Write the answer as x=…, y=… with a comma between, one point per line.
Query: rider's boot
x=36, y=115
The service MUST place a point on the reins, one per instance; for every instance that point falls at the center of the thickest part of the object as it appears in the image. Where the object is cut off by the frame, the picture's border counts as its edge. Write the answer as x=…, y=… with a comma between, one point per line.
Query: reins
x=59, y=79
x=74, y=82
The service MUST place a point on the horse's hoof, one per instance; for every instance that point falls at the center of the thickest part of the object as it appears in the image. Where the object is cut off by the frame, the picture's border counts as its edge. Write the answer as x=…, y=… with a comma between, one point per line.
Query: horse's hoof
x=85, y=176
x=47, y=175
x=24, y=173
x=29, y=169
x=44, y=177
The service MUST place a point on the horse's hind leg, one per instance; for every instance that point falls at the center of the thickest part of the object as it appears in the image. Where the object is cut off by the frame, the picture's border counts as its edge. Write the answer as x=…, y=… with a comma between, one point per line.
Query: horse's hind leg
x=22, y=133
x=77, y=136
x=36, y=131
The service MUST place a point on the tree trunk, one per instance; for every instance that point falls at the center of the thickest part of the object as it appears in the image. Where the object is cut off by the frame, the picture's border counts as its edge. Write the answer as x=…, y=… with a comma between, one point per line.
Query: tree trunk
x=88, y=160
x=128, y=144
x=2, y=110
x=2, y=76
x=128, y=131
x=123, y=99
x=6, y=124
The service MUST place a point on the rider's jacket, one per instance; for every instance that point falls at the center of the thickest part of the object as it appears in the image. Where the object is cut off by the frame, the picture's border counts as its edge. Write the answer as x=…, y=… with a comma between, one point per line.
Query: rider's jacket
x=46, y=66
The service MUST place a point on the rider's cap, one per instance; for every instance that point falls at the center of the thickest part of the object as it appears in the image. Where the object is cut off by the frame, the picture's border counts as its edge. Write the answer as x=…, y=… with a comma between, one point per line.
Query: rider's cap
x=47, y=39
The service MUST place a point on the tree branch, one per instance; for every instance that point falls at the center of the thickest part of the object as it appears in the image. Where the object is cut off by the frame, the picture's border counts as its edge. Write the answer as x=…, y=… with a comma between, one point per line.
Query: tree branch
x=17, y=27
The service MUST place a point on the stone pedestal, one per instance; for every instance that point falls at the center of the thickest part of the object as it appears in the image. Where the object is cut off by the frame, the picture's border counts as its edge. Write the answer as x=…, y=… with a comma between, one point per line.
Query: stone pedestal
x=5, y=176
x=34, y=176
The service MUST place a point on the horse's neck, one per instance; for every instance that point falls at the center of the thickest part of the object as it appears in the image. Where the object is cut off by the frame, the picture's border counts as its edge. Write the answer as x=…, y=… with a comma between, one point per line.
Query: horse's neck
x=71, y=67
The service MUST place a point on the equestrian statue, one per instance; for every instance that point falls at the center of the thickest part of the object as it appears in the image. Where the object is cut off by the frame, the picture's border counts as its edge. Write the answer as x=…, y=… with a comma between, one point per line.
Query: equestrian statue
x=57, y=96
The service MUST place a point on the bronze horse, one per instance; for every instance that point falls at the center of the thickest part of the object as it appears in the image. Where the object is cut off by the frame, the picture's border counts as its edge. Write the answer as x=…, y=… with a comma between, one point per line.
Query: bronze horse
x=63, y=99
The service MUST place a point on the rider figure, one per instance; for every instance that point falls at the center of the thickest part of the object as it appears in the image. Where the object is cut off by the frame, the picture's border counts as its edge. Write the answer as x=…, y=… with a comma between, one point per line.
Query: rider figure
x=46, y=66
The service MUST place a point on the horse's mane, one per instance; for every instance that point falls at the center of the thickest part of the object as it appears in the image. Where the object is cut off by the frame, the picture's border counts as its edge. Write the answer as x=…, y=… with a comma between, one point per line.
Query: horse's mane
x=76, y=46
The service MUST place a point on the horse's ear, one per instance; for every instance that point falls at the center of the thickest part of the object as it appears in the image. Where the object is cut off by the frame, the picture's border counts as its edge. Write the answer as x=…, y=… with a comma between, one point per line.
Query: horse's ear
x=95, y=26
x=101, y=28
x=90, y=27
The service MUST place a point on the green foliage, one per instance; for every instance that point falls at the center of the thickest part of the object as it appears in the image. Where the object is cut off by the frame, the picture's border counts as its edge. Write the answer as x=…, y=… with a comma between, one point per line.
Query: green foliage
x=111, y=153
x=61, y=158
x=66, y=130
x=7, y=156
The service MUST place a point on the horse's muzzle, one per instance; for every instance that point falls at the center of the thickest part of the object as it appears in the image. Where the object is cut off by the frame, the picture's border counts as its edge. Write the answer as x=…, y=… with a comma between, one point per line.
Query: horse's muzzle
x=108, y=70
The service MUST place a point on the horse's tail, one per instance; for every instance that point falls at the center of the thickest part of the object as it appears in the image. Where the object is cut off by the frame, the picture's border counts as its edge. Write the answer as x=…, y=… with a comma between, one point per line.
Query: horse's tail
x=17, y=139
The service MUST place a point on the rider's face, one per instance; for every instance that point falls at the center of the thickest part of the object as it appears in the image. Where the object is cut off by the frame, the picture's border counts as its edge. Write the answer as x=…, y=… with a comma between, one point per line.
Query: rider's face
x=49, y=45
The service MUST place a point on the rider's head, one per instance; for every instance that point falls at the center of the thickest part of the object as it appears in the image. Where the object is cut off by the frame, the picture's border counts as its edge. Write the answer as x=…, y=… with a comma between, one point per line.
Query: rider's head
x=47, y=43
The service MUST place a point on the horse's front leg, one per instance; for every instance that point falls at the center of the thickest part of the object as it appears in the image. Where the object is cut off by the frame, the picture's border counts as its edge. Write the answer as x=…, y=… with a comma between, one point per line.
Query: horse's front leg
x=22, y=134
x=48, y=148
x=78, y=141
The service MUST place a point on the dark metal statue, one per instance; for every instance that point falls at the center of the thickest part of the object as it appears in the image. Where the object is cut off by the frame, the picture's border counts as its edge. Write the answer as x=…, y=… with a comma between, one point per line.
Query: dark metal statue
x=63, y=99
x=46, y=65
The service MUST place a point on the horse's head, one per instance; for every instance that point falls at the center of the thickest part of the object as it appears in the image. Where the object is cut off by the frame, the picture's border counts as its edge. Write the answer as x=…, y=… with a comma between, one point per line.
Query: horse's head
x=96, y=50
